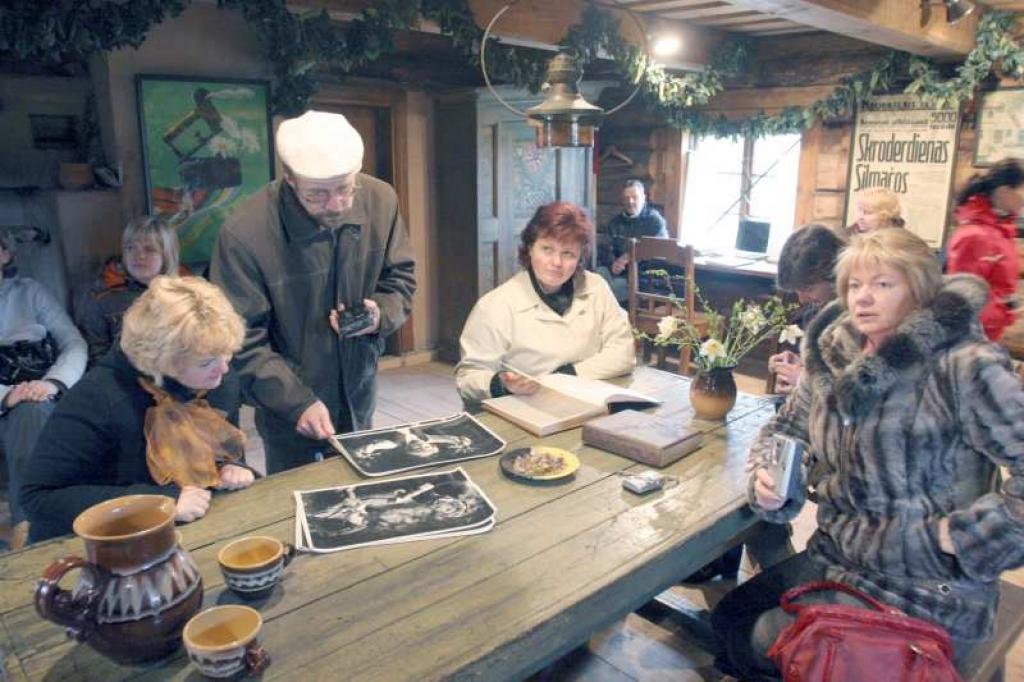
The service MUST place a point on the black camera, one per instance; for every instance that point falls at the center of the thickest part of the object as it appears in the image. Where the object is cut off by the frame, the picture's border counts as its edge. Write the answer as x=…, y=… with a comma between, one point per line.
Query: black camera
x=354, y=319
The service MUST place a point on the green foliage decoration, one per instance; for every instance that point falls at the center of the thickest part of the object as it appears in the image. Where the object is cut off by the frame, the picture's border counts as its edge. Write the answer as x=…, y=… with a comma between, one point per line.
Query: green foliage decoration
x=302, y=45
x=62, y=31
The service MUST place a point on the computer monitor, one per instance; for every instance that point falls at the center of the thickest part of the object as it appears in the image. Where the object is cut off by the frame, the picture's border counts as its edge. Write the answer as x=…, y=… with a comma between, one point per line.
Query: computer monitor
x=752, y=236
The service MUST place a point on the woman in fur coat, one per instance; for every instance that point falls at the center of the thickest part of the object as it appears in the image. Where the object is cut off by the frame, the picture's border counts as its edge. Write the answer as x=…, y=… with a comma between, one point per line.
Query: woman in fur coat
x=908, y=411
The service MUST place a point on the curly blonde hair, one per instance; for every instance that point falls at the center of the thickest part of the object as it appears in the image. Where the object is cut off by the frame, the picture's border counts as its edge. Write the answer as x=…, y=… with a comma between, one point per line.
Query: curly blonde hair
x=900, y=250
x=177, y=319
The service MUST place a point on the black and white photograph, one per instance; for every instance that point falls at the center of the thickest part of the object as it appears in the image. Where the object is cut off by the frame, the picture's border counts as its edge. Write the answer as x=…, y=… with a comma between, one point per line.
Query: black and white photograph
x=391, y=450
x=415, y=507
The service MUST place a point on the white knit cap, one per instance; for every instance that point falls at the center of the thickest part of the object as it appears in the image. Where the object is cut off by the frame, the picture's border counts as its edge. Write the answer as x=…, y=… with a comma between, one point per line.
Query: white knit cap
x=319, y=145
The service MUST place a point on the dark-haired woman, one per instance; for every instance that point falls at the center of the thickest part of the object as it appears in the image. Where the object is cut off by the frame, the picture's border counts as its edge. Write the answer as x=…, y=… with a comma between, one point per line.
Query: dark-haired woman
x=983, y=244
x=553, y=316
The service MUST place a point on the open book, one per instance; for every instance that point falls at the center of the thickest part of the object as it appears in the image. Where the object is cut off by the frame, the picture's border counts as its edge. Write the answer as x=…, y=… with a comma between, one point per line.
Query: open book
x=564, y=402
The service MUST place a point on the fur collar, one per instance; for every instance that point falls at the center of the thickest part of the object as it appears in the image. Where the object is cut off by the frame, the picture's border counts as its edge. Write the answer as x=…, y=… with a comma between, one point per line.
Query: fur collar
x=832, y=347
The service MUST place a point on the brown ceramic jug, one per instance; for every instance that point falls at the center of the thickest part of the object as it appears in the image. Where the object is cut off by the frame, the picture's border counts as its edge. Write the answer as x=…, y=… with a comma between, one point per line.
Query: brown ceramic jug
x=137, y=587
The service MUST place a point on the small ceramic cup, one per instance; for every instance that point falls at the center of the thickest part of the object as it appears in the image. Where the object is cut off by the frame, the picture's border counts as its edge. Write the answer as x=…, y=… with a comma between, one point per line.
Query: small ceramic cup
x=253, y=565
x=224, y=640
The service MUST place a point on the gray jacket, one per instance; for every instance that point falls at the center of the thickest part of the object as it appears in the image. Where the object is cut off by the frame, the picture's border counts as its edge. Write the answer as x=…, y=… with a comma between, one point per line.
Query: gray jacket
x=284, y=273
x=903, y=439
x=26, y=305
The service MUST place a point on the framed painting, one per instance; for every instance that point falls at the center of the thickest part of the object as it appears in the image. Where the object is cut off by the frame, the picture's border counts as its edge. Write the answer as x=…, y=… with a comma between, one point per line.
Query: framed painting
x=206, y=145
x=1000, y=126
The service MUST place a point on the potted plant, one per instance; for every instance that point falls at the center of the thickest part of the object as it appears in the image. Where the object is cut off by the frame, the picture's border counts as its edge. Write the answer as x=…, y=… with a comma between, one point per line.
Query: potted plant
x=725, y=342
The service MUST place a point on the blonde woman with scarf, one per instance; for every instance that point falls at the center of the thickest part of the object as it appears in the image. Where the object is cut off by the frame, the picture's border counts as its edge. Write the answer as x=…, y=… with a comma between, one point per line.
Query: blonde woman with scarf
x=150, y=417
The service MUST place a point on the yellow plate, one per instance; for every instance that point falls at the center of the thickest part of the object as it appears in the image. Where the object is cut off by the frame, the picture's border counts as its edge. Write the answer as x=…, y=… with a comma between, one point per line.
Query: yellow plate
x=569, y=463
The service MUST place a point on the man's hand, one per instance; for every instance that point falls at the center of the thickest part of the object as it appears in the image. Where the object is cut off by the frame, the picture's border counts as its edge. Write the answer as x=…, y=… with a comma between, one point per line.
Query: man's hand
x=374, y=309
x=619, y=264
x=335, y=318
x=315, y=422
x=234, y=477
x=518, y=384
x=764, y=493
x=193, y=503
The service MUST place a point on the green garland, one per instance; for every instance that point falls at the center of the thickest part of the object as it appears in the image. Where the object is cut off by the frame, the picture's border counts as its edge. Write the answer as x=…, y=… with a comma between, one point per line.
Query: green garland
x=61, y=32
x=303, y=45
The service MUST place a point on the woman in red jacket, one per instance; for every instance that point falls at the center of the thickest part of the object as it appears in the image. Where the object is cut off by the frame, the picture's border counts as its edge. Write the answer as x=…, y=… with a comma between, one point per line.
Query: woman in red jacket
x=983, y=244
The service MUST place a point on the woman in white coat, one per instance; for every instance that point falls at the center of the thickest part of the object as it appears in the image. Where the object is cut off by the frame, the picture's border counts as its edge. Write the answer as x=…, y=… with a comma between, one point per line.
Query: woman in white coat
x=553, y=316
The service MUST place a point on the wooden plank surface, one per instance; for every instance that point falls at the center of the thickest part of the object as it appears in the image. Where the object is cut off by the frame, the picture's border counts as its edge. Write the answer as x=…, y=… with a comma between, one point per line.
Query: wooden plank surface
x=563, y=562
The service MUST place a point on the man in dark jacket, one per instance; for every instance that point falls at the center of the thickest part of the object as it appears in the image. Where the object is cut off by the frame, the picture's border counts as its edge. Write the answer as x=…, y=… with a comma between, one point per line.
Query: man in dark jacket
x=297, y=259
x=638, y=219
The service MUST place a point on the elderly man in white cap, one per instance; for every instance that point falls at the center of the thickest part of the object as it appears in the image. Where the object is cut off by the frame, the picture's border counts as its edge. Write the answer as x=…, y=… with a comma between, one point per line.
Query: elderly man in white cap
x=319, y=265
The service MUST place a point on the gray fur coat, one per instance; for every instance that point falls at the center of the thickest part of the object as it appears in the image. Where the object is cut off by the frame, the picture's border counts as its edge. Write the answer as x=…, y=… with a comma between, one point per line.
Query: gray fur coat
x=900, y=440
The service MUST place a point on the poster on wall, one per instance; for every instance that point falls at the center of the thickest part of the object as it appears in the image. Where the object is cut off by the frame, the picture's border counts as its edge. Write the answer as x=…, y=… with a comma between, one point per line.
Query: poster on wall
x=206, y=146
x=1000, y=126
x=902, y=143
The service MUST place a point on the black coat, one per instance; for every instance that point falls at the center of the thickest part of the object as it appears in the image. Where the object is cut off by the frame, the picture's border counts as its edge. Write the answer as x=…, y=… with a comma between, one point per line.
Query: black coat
x=93, y=447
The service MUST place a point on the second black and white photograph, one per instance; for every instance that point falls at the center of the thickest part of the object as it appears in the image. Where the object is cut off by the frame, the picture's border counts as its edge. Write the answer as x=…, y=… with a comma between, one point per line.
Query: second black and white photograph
x=391, y=450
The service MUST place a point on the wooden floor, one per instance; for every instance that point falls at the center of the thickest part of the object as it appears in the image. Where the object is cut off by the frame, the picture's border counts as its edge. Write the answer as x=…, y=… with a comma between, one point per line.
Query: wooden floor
x=643, y=647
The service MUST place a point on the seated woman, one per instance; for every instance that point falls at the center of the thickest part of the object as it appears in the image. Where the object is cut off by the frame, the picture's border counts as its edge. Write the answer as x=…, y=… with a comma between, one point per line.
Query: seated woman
x=908, y=411
x=806, y=267
x=41, y=356
x=877, y=208
x=139, y=422
x=553, y=316
x=984, y=242
x=149, y=247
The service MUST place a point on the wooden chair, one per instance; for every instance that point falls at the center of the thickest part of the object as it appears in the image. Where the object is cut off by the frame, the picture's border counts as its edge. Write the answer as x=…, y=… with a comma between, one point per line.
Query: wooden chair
x=646, y=308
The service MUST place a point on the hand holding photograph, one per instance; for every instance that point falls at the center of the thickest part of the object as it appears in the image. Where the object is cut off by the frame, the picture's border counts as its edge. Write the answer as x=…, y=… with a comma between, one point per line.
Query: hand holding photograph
x=381, y=452
x=441, y=504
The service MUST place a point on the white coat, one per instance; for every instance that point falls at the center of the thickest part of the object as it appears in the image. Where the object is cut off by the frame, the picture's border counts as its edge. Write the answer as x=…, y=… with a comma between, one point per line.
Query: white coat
x=513, y=325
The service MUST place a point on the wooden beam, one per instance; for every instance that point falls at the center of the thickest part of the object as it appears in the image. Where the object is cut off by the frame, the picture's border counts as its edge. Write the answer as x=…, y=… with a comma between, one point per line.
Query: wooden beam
x=546, y=22
x=542, y=23
x=898, y=24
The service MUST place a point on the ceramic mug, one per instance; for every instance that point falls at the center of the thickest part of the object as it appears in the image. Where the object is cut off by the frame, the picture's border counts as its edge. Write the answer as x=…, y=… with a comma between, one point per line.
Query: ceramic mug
x=253, y=565
x=222, y=641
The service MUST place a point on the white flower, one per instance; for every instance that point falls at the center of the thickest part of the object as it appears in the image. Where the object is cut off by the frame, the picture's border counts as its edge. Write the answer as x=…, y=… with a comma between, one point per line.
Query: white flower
x=712, y=349
x=667, y=326
x=791, y=334
x=753, y=319
x=221, y=145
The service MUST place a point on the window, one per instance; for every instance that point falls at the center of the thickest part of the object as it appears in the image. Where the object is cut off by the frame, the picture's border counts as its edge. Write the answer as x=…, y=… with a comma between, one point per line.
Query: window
x=728, y=179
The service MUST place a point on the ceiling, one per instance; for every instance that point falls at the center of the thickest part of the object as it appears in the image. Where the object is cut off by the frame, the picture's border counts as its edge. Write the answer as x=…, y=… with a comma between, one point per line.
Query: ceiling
x=737, y=17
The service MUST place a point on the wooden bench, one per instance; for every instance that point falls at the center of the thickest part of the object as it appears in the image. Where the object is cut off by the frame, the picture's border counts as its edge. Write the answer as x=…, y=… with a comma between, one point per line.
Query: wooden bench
x=987, y=663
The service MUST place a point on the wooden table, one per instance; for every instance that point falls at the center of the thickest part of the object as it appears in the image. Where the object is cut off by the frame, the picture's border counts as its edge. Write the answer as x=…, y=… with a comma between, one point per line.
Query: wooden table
x=563, y=562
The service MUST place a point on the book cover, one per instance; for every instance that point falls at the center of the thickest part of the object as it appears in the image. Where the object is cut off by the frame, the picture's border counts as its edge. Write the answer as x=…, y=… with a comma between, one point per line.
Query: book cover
x=642, y=437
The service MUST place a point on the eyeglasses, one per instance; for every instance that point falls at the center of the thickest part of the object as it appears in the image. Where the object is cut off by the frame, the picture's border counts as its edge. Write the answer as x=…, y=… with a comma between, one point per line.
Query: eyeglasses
x=319, y=197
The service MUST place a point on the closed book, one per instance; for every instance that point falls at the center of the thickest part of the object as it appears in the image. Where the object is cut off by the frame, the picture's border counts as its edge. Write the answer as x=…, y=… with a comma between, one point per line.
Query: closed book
x=642, y=437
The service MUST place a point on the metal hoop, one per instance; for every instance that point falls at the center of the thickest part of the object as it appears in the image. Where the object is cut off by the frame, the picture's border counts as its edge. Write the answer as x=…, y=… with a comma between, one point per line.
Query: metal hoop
x=614, y=3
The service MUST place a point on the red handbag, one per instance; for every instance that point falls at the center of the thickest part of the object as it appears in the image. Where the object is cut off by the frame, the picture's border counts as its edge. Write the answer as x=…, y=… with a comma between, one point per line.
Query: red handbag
x=840, y=643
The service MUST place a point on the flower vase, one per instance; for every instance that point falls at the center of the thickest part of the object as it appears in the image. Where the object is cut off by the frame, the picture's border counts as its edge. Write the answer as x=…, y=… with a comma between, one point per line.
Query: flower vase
x=713, y=393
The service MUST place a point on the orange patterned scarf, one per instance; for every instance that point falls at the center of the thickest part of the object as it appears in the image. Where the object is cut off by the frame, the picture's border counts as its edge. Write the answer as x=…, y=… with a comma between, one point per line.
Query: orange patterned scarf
x=185, y=441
